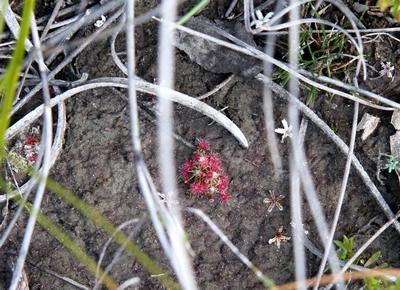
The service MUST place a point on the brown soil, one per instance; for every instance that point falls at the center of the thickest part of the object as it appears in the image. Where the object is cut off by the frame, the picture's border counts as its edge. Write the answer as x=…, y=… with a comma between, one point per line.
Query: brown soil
x=96, y=164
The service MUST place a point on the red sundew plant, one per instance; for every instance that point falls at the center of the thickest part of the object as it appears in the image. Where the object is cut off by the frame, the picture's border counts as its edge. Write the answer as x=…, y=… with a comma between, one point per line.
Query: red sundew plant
x=204, y=175
x=26, y=148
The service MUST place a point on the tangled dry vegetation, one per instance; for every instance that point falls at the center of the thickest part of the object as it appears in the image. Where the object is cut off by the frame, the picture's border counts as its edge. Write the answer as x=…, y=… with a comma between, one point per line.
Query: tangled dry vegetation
x=140, y=144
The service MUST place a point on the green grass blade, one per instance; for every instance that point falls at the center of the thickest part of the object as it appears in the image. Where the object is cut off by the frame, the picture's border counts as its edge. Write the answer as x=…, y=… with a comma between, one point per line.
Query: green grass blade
x=8, y=82
x=3, y=5
x=64, y=239
x=97, y=218
x=196, y=9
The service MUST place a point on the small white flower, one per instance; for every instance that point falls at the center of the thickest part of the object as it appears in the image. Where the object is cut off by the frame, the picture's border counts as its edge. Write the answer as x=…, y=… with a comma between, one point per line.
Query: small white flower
x=99, y=23
x=261, y=19
x=279, y=238
x=387, y=69
x=286, y=131
x=273, y=201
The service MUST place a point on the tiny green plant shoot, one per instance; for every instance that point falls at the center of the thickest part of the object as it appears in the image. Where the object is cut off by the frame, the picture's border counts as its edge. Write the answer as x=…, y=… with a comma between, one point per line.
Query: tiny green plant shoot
x=393, y=5
x=393, y=164
x=8, y=81
x=345, y=252
x=322, y=53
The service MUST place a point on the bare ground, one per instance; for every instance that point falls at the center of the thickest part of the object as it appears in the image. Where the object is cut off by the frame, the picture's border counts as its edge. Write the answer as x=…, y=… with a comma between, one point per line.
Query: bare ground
x=96, y=164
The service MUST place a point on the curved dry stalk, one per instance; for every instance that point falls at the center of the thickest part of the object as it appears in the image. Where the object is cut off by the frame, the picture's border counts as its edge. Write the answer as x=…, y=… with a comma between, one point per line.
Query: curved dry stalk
x=114, y=54
x=337, y=28
x=349, y=87
x=169, y=223
x=66, y=61
x=268, y=106
x=181, y=261
x=46, y=145
x=55, y=151
x=345, y=10
x=62, y=278
x=338, y=4
x=90, y=15
x=217, y=88
x=12, y=23
x=283, y=94
x=341, y=196
x=379, y=35
x=249, y=50
x=264, y=279
x=314, y=250
x=117, y=254
x=60, y=133
x=142, y=86
x=247, y=6
x=295, y=174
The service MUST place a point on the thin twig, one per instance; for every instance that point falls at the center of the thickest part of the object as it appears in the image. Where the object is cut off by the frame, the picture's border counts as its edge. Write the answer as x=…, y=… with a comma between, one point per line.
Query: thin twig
x=365, y=246
x=117, y=254
x=268, y=106
x=67, y=60
x=142, y=86
x=283, y=94
x=264, y=279
x=249, y=50
x=216, y=88
x=341, y=195
x=295, y=175
x=61, y=277
x=46, y=145
x=53, y=16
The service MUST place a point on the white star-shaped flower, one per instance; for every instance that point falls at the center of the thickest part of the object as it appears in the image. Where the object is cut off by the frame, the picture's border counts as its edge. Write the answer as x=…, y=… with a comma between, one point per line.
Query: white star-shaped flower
x=279, y=238
x=261, y=19
x=286, y=131
x=273, y=201
x=387, y=69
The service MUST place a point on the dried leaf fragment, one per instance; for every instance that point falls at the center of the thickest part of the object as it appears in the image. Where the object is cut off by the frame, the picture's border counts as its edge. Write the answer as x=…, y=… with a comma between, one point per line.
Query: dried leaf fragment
x=396, y=119
x=368, y=124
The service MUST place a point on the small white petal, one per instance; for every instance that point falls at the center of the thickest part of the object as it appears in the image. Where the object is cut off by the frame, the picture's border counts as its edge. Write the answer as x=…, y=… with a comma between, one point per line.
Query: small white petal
x=259, y=15
x=271, y=207
x=268, y=16
x=280, y=131
x=285, y=124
